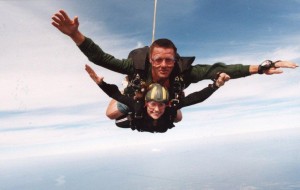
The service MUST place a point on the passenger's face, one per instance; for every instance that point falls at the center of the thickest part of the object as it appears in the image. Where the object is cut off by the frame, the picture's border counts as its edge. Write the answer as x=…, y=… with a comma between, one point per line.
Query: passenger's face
x=162, y=60
x=155, y=109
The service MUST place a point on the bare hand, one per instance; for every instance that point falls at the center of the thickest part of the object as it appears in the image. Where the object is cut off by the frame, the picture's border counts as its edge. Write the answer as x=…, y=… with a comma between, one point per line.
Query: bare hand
x=223, y=77
x=280, y=64
x=93, y=75
x=63, y=23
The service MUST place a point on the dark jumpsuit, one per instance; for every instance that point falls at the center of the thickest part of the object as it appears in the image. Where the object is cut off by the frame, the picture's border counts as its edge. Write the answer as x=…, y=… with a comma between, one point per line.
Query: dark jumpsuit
x=146, y=123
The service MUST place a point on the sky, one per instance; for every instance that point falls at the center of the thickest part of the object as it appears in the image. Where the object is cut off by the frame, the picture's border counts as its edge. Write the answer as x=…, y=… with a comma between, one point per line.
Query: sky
x=53, y=130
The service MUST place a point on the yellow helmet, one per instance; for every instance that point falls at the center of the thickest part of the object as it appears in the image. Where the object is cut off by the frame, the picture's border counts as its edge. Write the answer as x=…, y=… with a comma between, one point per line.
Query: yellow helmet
x=157, y=93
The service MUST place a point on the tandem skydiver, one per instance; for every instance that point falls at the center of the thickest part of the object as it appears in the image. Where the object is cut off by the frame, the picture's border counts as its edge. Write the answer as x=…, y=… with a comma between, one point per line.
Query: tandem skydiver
x=160, y=65
x=152, y=110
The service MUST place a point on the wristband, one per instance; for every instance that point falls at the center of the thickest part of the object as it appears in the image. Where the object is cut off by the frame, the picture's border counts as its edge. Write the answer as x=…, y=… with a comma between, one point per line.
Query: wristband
x=267, y=64
x=213, y=86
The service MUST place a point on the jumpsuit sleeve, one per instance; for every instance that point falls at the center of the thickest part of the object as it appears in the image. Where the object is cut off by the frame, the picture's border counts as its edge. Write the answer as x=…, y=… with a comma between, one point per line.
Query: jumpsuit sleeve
x=196, y=97
x=200, y=72
x=112, y=91
x=96, y=55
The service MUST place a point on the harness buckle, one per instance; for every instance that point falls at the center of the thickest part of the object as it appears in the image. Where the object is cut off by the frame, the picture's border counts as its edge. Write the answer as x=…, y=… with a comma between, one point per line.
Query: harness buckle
x=174, y=102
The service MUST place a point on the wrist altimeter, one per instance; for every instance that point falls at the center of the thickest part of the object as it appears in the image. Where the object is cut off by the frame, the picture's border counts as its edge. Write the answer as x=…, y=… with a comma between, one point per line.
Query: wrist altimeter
x=266, y=65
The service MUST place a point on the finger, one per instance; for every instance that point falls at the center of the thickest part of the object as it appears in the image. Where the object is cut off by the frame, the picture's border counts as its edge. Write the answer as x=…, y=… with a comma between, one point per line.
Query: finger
x=285, y=64
x=65, y=15
x=91, y=71
x=220, y=82
x=221, y=79
x=55, y=24
x=220, y=76
x=227, y=78
x=87, y=66
x=273, y=71
x=55, y=19
x=224, y=77
x=59, y=16
x=88, y=69
x=76, y=20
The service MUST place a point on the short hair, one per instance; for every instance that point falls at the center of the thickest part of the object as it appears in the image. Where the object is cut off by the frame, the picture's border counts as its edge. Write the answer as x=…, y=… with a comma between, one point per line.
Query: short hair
x=164, y=43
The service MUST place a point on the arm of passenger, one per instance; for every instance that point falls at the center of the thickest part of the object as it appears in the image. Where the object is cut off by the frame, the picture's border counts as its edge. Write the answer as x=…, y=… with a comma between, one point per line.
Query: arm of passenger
x=200, y=96
x=197, y=97
x=112, y=91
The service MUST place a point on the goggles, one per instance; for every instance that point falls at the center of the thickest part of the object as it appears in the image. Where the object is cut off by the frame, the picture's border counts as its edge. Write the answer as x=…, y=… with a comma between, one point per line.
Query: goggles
x=169, y=62
x=153, y=104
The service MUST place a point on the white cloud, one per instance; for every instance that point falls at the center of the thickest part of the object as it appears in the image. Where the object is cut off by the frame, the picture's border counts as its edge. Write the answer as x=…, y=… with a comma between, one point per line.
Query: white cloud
x=155, y=150
x=43, y=77
x=285, y=53
x=45, y=85
x=249, y=188
x=60, y=181
x=42, y=66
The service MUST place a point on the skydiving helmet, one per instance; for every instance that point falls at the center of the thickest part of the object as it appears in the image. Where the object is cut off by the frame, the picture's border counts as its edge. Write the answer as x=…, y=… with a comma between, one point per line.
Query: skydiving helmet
x=157, y=93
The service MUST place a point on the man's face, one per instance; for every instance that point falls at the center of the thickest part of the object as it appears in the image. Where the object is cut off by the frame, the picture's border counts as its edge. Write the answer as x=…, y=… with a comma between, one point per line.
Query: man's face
x=155, y=109
x=162, y=61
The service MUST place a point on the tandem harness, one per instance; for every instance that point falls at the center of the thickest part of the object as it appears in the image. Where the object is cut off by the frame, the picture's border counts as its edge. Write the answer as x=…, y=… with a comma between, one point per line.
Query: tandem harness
x=137, y=86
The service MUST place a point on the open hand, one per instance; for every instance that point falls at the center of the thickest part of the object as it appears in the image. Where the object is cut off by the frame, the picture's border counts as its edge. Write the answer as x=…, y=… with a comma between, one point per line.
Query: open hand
x=63, y=23
x=93, y=75
x=280, y=64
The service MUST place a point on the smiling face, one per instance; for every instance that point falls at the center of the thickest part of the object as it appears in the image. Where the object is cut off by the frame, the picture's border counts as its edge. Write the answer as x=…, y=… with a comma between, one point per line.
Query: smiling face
x=156, y=98
x=155, y=109
x=162, y=60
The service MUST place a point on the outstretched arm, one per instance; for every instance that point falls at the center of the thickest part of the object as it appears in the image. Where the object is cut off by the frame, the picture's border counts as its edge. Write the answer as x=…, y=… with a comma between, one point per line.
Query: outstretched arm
x=63, y=23
x=200, y=72
x=268, y=67
x=110, y=89
x=94, y=53
x=205, y=93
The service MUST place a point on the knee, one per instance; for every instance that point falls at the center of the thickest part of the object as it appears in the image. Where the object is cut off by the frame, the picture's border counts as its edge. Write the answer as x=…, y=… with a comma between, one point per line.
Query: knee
x=112, y=111
x=113, y=114
x=116, y=110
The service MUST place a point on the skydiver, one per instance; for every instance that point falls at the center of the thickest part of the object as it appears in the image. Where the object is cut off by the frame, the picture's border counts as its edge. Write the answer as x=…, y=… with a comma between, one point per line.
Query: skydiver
x=153, y=111
x=163, y=61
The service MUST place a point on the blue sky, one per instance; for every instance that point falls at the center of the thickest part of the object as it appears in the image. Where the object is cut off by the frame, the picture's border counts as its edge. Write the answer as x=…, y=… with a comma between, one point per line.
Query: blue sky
x=246, y=136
